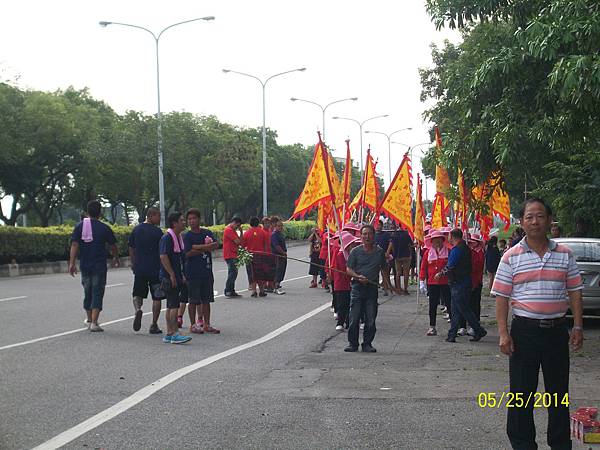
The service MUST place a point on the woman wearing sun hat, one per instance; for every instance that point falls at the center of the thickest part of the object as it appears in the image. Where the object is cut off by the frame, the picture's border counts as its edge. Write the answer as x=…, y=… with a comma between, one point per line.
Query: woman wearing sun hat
x=434, y=260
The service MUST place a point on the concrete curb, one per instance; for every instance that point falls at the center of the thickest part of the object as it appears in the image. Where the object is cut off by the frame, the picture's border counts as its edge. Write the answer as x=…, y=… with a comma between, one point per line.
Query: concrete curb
x=48, y=268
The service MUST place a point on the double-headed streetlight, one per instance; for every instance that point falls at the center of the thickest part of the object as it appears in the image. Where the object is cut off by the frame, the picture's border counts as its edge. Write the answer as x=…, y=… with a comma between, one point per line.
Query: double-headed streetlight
x=264, y=127
x=324, y=108
x=360, y=125
x=389, y=139
x=161, y=181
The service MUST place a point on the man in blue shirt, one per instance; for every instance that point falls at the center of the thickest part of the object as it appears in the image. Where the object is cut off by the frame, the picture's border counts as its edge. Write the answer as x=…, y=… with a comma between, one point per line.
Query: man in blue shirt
x=198, y=244
x=90, y=238
x=145, y=264
x=458, y=270
x=171, y=275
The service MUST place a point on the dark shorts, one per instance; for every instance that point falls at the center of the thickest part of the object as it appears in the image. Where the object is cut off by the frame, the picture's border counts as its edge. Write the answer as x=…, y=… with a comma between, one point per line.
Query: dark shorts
x=142, y=285
x=201, y=291
x=173, y=294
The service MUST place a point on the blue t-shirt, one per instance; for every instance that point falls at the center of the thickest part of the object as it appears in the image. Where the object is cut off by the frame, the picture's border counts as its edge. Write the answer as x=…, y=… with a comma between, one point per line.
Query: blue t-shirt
x=401, y=243
x=277, y=239
x=166, y=247
x=144, y=239
x=382, y=239
x=199, y=266
x=92, y=255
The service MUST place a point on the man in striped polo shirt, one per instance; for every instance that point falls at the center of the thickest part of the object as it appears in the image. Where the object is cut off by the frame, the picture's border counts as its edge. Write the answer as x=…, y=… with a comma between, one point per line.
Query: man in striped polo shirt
x=537, y=275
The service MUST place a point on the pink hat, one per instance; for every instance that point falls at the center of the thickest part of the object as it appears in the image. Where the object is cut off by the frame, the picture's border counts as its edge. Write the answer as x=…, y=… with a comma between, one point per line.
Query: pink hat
x=351, y=226
x=347, y=239
x=437, y=234
x=475, y=237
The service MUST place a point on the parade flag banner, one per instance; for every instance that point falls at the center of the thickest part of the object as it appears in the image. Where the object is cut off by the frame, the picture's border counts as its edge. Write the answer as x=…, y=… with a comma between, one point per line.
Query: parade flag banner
x=397, y=201
x=317, y=188
x=500, y=201
x=368, y=196
x=463, y=203
x=442, y=184
x=419, y=213
x=347, y=178
x=336, y=186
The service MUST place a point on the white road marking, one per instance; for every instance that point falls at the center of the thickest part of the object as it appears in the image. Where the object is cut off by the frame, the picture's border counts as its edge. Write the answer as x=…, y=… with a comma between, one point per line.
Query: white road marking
x=139, y=396
x=78, y=330
x=8, y=299
x=115, y=285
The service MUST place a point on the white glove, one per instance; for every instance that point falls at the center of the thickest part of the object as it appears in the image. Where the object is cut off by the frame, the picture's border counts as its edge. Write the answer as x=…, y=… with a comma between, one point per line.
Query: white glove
x=422, y=287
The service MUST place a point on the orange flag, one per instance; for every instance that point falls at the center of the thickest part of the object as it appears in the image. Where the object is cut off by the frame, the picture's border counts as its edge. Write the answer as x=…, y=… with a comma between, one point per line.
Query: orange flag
x=419, y=213
x=347, y=178
x=335, y=181
x=442, y=184
x=317, y=188
x=463, y=204
x=397, y=201
x=368, y=196
x=500, y=201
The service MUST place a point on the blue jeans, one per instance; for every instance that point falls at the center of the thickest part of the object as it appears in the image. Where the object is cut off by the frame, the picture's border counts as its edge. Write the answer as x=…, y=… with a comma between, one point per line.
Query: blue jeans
x=461, y=297
x=232, y=273
x=93, y=289
x=363, y=300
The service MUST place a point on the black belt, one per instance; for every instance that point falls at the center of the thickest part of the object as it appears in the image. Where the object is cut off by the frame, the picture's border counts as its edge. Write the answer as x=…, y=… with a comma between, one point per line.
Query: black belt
x=541, y=323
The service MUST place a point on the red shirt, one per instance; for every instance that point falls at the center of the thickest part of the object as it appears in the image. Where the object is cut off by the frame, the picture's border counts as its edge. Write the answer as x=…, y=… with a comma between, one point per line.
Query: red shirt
x=255, y=239
x=268, y=233
x=477, y=263
x=341, y=281
x=229, y=246
x=323, y=252
x=429, y=269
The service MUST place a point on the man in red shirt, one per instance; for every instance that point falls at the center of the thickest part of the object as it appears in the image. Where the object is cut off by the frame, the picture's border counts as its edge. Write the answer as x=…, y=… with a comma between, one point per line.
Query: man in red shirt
x=231, y=242
x=255, y=240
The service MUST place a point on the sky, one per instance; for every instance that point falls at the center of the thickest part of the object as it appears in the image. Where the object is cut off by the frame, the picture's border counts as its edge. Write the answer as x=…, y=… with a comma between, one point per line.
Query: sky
x=370, y=50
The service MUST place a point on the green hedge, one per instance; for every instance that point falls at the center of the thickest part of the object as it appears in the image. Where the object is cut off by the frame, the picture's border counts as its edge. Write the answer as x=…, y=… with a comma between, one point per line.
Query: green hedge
x=52, y=243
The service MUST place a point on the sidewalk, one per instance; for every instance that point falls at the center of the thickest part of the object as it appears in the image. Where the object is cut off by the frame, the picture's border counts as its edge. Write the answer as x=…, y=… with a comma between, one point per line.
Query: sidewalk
x=433, y=386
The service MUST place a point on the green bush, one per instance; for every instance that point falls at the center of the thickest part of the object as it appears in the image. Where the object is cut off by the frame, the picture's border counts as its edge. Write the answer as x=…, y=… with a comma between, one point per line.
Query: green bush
x=52, y=243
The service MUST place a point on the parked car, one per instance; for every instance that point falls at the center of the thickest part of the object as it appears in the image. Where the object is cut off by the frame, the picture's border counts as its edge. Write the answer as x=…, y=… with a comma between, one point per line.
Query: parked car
x=587, y=254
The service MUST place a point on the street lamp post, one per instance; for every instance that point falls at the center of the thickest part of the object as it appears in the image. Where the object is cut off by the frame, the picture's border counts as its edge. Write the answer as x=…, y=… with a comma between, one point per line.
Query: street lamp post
x=161, y=181
x=389, y=139
x=264, y=128
x=410, y=149
x=360, y=125
x=324, y=108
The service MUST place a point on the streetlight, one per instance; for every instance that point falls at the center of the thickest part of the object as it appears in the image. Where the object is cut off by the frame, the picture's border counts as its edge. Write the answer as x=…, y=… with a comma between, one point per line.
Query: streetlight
x=161, y=181
x=360, y=125
x=323, y=108
x=264, y=129
x=389, y=139
x=410, y=149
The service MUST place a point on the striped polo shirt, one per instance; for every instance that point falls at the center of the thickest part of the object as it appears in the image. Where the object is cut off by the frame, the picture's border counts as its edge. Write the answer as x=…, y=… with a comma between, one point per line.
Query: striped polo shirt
x=537, y=286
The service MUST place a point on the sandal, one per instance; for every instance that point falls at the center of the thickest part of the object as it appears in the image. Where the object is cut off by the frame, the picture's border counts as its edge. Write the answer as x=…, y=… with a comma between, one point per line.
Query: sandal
x=211, y=330
x=196, y=329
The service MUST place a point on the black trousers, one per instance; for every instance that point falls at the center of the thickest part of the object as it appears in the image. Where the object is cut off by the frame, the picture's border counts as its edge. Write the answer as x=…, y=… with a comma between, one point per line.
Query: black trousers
x=548, y=348
x=363, y=300
x=342, y=306
x=437, y=292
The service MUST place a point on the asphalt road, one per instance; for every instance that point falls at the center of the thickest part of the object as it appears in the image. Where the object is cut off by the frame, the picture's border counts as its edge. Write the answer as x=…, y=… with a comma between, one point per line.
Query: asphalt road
x=275, y=378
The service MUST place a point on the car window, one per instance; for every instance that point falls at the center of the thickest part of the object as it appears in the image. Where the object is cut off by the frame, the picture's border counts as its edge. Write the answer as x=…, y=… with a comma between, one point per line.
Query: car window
x=585, y=251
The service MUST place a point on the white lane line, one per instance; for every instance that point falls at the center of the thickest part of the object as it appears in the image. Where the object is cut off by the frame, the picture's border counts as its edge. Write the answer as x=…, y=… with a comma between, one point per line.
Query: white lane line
x=8, y=299
x=115, y=285
x=139, y=396
x=78, y=330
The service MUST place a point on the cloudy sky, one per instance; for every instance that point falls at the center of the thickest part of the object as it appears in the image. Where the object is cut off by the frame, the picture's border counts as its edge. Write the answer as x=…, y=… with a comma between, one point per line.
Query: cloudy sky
x=370, y=50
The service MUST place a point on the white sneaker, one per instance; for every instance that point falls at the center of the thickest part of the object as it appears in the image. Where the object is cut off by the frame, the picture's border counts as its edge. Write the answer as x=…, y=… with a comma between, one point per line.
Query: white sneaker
x=443, y=308
x=95, y=328
x=461, y=332
x=362, y=326
x=470, y=331
x=279, y=291
x=339, y=327
x=87, y=323
x=331, y=309
x=335, y=316
x=432, y=331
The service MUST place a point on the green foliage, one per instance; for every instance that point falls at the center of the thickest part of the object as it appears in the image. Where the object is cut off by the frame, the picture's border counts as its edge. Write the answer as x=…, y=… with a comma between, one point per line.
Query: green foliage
x=37, y=244
x=521, y=94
